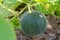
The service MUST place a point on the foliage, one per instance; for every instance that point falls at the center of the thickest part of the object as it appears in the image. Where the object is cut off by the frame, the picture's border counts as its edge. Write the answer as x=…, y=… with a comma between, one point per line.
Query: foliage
x=6, y=30
x=0, y=1
x=41, y=0
x=10, y=1
x=16, y=23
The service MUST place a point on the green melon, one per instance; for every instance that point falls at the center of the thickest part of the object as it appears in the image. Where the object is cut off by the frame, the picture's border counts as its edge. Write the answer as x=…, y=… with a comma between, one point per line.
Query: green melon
x=33, y=23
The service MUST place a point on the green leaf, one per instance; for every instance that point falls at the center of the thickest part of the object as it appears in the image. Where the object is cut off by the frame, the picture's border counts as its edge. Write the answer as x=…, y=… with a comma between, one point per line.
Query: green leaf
x=12, y=6
x=6, y=30
x=10, y=1
x=41, y=8
x=52, y=8
x=28, y=1
x=59, y=1
x=7, y=13
x=0, y=1
x=16, y=23
x=57, y=12
x=41, y=0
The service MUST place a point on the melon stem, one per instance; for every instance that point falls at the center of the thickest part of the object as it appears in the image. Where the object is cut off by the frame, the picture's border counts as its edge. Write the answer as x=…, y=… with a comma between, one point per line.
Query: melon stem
x=18, y=13
x=29, y=8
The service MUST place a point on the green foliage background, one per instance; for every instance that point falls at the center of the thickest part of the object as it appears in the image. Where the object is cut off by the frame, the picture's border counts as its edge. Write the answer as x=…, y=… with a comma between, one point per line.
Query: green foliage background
x=7, y=9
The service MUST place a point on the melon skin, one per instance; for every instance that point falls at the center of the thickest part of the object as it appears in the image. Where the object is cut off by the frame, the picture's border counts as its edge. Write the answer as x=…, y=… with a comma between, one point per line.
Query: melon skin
x=33, y=23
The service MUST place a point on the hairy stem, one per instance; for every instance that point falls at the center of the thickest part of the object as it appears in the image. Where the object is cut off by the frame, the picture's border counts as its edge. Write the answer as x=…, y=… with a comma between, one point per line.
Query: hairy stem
x=8, y=9
x=18, y=13
x=29, y=8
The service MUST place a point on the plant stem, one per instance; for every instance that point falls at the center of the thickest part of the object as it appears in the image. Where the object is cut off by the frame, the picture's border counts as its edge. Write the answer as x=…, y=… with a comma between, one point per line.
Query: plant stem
x=8, y=9
x=19, y=13
x=34, y=4
x=22, y=9
x=29, y=8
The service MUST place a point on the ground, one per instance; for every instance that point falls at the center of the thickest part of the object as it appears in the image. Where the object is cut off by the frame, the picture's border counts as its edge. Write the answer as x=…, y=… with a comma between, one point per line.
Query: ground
x=52, y=32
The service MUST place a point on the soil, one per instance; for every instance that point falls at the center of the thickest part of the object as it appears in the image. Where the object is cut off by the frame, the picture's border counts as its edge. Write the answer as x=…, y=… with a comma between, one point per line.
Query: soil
x=52, y=32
